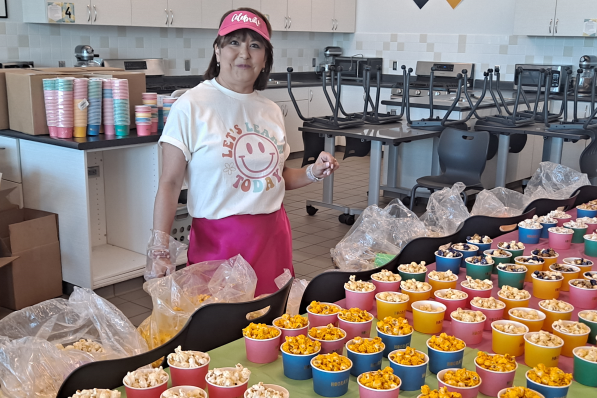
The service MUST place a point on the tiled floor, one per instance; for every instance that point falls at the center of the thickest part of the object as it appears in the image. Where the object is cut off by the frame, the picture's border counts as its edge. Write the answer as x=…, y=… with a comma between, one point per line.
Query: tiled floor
x=313, y=236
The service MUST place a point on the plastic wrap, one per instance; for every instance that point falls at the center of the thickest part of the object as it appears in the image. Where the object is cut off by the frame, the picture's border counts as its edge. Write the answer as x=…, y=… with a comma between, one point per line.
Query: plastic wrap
x=499, y=202
x=177, y=296
x=554, y=181
x=377, y=236
x=296, y=291
x=445, y=211
x=162, y=252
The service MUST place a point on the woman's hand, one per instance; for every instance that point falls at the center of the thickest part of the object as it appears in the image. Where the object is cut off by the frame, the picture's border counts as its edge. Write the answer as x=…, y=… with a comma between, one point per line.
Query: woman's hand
x=325, y=165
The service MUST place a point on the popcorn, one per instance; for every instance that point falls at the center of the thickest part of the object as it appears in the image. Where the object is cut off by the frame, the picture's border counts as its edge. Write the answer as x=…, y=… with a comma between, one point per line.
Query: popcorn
x=590, y=275
x=525, y=314
x=392, y=297
x=548, y=275
x=366, y=346
x=358, y=286
x=443, y=392
x=545, y=339
x=468, y=315
x=196, y=393
x=84, y=345
x=546, y=219
x=301, y=345
x=394, y=326
x=519, y=392
x=588, y=354
x=448, y=253
x=587, y=206
x=512, y=268
x=579, y=261
x=446, y=276
x=530, y=260
x=562, y=268
x=477, y=284
x=556, y=305
x=409, y=357
x=497, y=362
x=512, y=293
x=355, y=315
x=559, y=214
x=499, y=253
x=331, y=362
x=443, y=342
x=588, y=220
x=228, y=377
x=413, y=268
x=323, y=308
x=465, y=247
x=430, y=308
x=590, y=316
x=146, y=378
x=510, y=328
x=530, y=223
x=549, y=253
x=386, y=276
x=575, y=224
x=187, y=359
x=560, y=230
x=328, y=333
x=260, y=331
x=570, y=327
x=488, y=303
x=481, y=260
x=476, y=238
x=451, y=294
x=461, y=378
x=556, y=377
x=96, y=393
x=415, y=286
x=261, y=391
x=584, y=284
x=592, y=236
x=291, y=322
x=380, y=379
x=512, y=245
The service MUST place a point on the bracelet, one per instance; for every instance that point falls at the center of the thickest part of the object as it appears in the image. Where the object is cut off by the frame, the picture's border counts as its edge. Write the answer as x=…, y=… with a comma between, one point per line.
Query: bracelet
x=310, y=174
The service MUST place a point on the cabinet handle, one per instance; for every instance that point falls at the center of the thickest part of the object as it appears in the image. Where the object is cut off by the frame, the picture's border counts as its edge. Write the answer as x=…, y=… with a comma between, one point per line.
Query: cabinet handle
x=556, y=27
x=94, y=13
x=335, y=24
x=285, y=22
x=289, y=22
x=550, y=22
x=88, y=13
x=310, y=95
x=166, y=11
x=171, y=17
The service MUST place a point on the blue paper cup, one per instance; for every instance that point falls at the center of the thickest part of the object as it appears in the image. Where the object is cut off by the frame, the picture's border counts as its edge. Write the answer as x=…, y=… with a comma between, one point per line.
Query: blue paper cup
x=529, y=235
x=467, y=254
x=413, y=377
x=443, y=264
x=297, y=367
x=585, y=213
x=547, y=391
x=482, y=247
x=330, y=384
x=393, y=343
x=440, y=360
x=361, y=362
x=544, y=231
x=93, y=129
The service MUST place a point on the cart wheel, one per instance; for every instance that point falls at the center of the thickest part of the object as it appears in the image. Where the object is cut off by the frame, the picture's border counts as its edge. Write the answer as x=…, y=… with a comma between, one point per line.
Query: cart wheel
x=342, y=218
x=350, y=219
x=311, y=210
x=406, y=201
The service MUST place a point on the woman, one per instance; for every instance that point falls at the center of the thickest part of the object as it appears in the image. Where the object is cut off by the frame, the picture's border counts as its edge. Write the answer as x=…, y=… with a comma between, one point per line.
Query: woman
x=229, y=143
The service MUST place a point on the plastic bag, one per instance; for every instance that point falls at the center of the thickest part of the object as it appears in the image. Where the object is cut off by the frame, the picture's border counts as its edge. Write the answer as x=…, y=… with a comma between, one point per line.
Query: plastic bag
x=554, y=181
x=85, y=315
x=162, y=252
x=377, y=236
x=296, y=291
x=499, y=202
x=177, y=296
x=445, y=211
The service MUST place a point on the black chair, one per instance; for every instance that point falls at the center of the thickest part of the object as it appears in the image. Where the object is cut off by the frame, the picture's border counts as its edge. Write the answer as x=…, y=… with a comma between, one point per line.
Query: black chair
x=490, y=226
x=588, y=157
x=420, y=249
x=543, y=206
x=462, y=155
x=356, y=147
x=314, y=145
x=517, y=144
x=585, y=194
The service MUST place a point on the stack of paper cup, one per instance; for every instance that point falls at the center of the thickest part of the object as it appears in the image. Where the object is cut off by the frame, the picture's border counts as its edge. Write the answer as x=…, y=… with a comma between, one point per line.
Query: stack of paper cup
x=108, y=106
x=64, y=107
x=50, y=99
x=80, y=107
x=94, y=111
x=151, y=99
x=122, y=118
x=143, y=119
x=168, y=101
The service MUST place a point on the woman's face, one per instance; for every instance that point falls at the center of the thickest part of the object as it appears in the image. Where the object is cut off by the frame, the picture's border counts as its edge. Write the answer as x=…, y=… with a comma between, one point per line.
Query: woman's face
x=241, y=62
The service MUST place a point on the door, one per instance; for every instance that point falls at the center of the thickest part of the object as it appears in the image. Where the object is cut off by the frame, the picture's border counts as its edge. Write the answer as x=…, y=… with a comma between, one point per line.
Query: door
x=212, y=11
x=185, y=13
x=322, y=15
x=535, y=17
x=276, y=13
x=292, y=123
x=254, y=4
x=299, y=15
x=571, y=14
x=111, y=12
x=149, y=13
x=345, y=15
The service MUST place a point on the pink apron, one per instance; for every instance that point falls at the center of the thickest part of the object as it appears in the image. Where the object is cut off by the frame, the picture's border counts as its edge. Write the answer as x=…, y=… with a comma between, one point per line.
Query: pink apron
x=264, y=240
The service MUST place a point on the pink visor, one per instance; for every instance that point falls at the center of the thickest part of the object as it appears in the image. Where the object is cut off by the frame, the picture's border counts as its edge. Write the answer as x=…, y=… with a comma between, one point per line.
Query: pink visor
x=243, y=20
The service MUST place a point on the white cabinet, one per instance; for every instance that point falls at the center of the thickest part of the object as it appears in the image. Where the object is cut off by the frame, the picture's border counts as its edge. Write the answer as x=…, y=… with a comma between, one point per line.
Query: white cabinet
x=570, y=16
x=166, y=13
x=254, y=4
x=185, y=13
x=552, y=17
x=212, y=11
x=10, y=160
x=86, y=12
x=333, y=15
x=292, y=122
x=289, y=15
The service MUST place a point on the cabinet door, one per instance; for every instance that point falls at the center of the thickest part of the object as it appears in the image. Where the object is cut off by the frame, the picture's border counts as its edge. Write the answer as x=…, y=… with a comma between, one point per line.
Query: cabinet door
x=276, y=12
x=535, y=17
x=345, y=15
x=299, y=15
x=318, y=103
x=83, y=11
x=10, y=159
x=571, y=14
x=185, y=13
x=212, y=11
x=322, y=15
x=111, y=12
x=292, y=123
x=254, y=4
x=149, y=13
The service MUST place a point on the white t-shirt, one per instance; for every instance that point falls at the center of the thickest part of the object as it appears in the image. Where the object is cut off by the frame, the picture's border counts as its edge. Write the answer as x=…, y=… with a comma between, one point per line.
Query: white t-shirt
x=235, y=147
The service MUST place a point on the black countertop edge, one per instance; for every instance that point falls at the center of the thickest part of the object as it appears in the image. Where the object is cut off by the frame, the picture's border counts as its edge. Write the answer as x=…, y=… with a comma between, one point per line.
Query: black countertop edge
x=85, y=143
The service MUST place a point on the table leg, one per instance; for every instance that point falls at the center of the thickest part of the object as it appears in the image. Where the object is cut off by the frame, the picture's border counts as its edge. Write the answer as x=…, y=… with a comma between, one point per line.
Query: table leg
x=392, y=166
x=556, y=146
x=435, y=169
x=502, y=160
x=547, y=144
x=328, y=182
x=374, y=173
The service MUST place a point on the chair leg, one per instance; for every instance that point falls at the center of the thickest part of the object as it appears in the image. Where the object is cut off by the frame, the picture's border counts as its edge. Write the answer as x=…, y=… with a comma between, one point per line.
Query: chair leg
x=413, y=192
x=464, y=197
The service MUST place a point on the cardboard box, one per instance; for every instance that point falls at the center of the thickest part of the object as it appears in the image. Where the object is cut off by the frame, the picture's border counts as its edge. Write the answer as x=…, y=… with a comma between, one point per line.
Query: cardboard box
x=30, y=266
x=3, y=101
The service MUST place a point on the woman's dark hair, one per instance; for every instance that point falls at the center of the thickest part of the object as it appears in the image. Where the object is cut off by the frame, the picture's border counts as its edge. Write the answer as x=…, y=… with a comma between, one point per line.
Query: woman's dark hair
x=213, y=69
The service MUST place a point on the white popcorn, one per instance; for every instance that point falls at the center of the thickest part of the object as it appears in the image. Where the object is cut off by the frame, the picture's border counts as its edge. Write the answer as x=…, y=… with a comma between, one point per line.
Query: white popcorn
x=575, y=224
x=386, y=276
x=556, y=305
x=477, y=284
x=468, y=315
x=510, y=328
x=451, y=294
x=545, y=339
x=588, y=220
x=587, y=353
x=261, y=391
x=487, y=303
x=184, y=393
x=512, y=293
x=560, y=230
x=592, y=236
x=530, y=223
x=89, y=346
x=446, y=276
x=570, y=327
x=96, y=393
x=414, y=285
x=358, y=286
x=546, y=220
x=228, y=377
x=413, y=268
x=590, y=316
x=146, y=378
x=392, y=297
x=531, y=315
x=558, y=214
x=187, y=359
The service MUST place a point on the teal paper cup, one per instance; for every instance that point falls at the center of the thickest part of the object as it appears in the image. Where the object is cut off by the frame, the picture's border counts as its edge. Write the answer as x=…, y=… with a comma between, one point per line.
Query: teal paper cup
x=122, y=129
x=591, y=324
x=585, y=372
x=479, y=271
x=590, y=247
x=579, y=233
x=514, y=279
x=515, y=252
x=498, y=259
x=420, y=277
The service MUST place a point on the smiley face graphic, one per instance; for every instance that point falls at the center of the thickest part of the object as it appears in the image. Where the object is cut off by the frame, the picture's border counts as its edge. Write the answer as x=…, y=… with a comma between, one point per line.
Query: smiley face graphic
x=255, y=156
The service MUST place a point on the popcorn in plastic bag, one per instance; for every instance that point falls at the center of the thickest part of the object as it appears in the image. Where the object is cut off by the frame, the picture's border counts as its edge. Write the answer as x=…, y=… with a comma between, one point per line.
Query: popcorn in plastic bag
x=554, y=181
x=499, y=202
x=445, y=211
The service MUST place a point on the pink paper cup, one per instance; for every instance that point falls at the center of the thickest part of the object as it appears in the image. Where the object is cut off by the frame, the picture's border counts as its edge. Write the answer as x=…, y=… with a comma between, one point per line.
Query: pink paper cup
x=591, y=228
x=189, y=376
x=366, y=392
x=451, y=305
x=153, y=392
x=189, y=388
x=143, y=129
x=262, y=351
x=292, y=332
x=356, y=329
x=560, y=241
x=329, y=346
x=466, y=392
x=472, y=293
x=491, y=315
x=215, y=391
x=493, y=382
x=381, y=286
x=316, y=320
x=362, y=300
x=561, y=221
x=582, y=298
x=469, y=332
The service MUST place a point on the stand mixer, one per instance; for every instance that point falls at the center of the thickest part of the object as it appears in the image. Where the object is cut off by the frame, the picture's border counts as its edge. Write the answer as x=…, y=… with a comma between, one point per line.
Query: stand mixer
x=86, y=56
x=330, y=54
x=587, y=79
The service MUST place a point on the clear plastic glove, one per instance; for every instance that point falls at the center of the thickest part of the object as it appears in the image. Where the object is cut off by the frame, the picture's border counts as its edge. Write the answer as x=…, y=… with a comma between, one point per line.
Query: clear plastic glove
x=162, y=251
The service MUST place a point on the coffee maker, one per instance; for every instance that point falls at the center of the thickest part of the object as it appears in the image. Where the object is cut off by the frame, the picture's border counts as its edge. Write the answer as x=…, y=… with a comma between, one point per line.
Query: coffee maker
x=587, y=79
x=330, y=53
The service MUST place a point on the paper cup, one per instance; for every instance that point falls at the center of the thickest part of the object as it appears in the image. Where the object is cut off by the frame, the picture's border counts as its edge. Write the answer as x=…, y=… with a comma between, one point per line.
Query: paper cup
x=559, y=241
x=440, y=360
x=589, y=275
x=493, y=381
x=578, y=235
x=529, y=235
x=590, y=247
x=428, y=322
x=479, y=271
x=297, y=367
x=568, y=276
x=591, y=227
x=534, y=325
x=366, y=392
x=552, y=316
x=189, y=388
x=535, y=354
x=545, y=229
x=472, y=293
x=262, y=350
x=571, y=341
x=474, y=249
x=451, y=305
x=466, y=392
x=482, y=247
x=521, y=260
x=412, y=377
x=583, y=268
x=354, y=329
x=469, y=332
x=329, y=346
x=591, y=324
x=330, y=384
x=510, y=303
x=382, y=286
x=143, y=129
x=502, y=392
x=363, y=362
x=216, y=391
x=547, y=391
x=584, y=371
x=546, y=289
x=507, y=343
x=385, y=308
x=292, y=332
x=392, y=342
x=418, y=276
x=415, y=296
x=563, y=220
x=549, y=261
x=490, y=314
x=497, y=259
x=316, y=320
x=585, y=213
x=440, y=285
x=152, y=392
x=362, y=300
x=188, y=376
x=513, y=279
x=444, y=264
x=515, y=252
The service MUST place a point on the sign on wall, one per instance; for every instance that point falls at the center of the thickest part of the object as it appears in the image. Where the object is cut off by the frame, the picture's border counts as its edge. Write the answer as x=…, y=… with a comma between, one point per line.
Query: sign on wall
x=421, y=3
x=61, y=12
x=454, y=3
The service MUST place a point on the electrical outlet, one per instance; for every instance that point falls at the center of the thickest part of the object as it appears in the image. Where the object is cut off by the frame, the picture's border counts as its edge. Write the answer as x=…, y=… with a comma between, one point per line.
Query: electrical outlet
x=394, y=65
x=61, y=64
x=93, y=171
x=314, y=62
x=187, y=65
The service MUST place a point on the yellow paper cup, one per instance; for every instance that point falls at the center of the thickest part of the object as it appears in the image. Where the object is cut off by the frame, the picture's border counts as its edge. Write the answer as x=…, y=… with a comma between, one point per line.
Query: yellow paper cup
x=552, y=316
x=571, y=341
x=439, y=285
x=395, y=310
x=535, y=354
x=534, y=325
x=546, y=289
x=549, y=261
x=426, y=321
x=521, y=260
x=80, y=132
x=415, y=296
x=510, y=303
x=568, y=276
x=507, y=343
